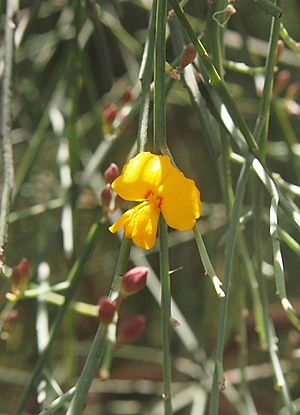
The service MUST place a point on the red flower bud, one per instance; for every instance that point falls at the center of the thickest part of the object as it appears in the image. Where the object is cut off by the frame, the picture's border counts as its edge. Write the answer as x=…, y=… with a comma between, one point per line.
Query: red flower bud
x=107, y=310
x=111, y=173
x=127, y=96
x=131, y=330
x=188, y=56
x=106, y=195
x=279, y=50
x=293, y=91
x=109, y=113
x=134, y=281
x=281, y=81
x=25, y=267
x=19, y=276
x=11, y=317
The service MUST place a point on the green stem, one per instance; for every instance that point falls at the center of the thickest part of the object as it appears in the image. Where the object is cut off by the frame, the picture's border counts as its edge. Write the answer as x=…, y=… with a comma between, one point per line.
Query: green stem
x=160, y=146
x=42, y=328
x=96, y=351
x=215, y=34
x=288, y=134
x=218, y=378
x=165, y=313
x=7, y=149
x=36, y=210
x=272, y=344
x=269, y=7
x=262, y=125
x=254, y=291
x=215, y=79
x=74, y=278
x=145, y=76
x=59, y=402
x=288, y=40
x=243, y=355
x=160, y=138
x=209, y=269
x=242, y=68
x=279, y=376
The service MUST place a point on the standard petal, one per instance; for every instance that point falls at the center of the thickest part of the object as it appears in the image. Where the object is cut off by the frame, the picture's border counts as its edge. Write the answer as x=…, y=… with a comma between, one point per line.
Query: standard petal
x=181, y=204
x=140, y=224
x=141, y=175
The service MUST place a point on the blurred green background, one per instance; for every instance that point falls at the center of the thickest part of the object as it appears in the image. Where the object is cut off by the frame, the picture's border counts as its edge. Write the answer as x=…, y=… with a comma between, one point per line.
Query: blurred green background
x=72, y=61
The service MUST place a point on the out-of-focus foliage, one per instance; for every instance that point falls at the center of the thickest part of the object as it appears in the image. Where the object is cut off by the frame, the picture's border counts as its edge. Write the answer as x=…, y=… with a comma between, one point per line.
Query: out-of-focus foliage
x=76, y=98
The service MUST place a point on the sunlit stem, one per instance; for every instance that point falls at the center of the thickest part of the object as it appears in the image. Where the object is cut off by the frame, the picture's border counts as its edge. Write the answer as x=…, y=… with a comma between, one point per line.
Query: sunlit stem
x=159, y=120
x=160, y=146
x=165, y=313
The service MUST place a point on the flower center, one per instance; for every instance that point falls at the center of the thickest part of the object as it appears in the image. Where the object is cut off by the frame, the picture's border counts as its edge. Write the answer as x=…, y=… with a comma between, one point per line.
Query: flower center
x=153, y=198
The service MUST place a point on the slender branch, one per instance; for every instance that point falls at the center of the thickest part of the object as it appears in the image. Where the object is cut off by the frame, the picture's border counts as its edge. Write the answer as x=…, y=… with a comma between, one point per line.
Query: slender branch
x=165, y=313
x=145, y=77
x=7, y=150
x=160, y=140
x=262, y=125
x=59, y=402
x=215, y=79
x=289, y=41
x=160, y=145
x=218, y=378
x=209, y=269
x=94, y=357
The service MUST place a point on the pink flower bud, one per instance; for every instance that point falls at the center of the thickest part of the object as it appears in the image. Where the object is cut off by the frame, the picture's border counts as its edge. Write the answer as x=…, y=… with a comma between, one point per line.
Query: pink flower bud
x=281, y=81
x=106, y=196
x=111, y=173
x=188, y=56
x=107, y=310
x=134, y=281
x=131, y=330
x=109, y=113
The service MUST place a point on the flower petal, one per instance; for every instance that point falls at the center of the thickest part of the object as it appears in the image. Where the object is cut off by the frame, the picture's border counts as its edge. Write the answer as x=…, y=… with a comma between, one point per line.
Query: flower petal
x=140, y=224
x=181, y=204
x=140, y=175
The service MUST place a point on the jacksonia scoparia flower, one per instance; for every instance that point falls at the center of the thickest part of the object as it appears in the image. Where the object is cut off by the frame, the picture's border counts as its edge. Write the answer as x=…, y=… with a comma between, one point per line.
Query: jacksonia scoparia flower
x=160, y=187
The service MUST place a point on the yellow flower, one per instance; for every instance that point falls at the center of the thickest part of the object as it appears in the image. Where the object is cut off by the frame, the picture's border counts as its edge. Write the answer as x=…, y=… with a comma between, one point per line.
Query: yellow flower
x=160, y=188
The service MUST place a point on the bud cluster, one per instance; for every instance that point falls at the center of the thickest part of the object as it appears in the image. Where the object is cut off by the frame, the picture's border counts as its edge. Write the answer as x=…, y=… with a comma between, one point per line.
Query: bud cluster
x=132, y=328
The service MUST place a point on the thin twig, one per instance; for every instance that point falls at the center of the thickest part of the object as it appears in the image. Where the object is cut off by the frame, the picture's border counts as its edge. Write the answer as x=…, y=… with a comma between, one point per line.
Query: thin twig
x=94, y=357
